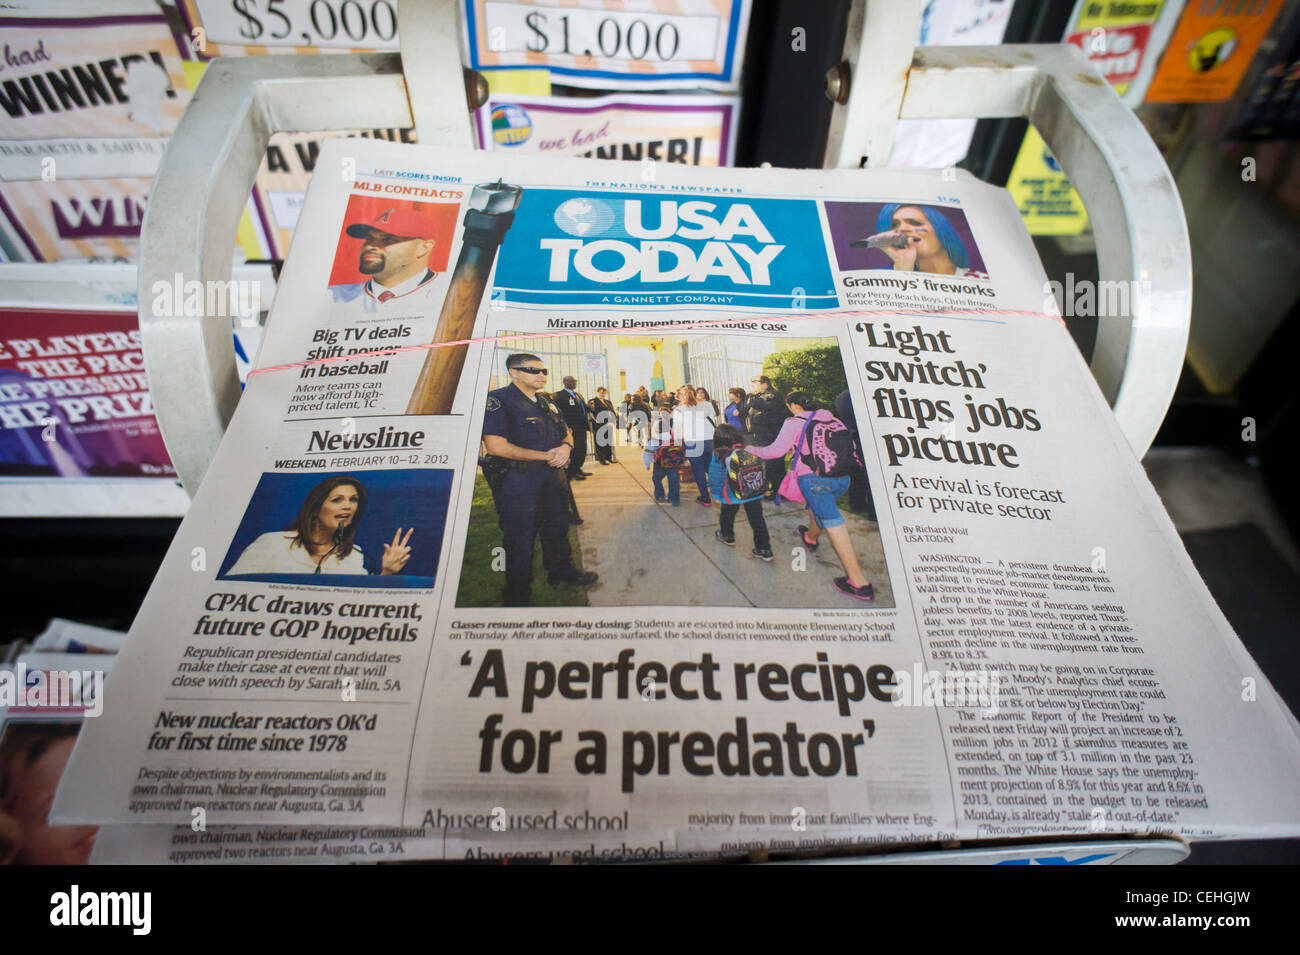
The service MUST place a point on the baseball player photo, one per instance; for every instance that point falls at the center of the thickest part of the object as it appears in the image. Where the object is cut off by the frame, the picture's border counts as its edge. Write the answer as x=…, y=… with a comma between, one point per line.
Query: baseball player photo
x=392, y=257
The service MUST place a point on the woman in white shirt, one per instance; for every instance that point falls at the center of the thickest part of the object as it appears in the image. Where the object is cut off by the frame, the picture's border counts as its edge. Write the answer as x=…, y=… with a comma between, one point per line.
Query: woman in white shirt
x=693, y=423
x=321, y=538
x=702, y=397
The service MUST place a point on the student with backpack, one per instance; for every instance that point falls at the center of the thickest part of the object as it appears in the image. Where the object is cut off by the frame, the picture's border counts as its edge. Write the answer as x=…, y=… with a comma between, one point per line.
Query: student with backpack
x=764, y=414
x=665, y=451
x=824, y=458
x=738, y=479
x=694, y=426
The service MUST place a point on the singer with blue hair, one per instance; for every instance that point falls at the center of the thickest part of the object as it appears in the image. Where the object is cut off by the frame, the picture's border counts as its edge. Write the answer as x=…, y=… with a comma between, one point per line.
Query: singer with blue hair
x=321, y=539
x=932, y=243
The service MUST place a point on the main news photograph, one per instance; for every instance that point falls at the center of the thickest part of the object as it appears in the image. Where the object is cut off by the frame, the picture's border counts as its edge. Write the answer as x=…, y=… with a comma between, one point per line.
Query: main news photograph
x=679, y=469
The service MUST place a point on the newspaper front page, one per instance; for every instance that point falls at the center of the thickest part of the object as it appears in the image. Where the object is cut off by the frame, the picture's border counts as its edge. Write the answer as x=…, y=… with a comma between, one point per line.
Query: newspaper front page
x=450, y=588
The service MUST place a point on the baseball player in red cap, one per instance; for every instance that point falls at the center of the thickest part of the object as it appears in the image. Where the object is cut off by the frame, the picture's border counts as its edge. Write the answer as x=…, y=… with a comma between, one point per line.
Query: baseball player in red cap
x=394, y=253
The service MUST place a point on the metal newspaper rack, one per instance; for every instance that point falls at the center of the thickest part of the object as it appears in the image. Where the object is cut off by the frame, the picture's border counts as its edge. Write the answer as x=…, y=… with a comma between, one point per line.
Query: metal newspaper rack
x=1141, y=233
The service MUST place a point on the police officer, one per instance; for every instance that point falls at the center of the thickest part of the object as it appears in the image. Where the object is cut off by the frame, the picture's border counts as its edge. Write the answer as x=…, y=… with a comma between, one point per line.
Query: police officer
x=765, y=412
x=529, y=448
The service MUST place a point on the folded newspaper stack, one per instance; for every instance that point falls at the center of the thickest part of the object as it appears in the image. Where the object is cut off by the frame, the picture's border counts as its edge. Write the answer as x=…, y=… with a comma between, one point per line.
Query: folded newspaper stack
x=409, y=616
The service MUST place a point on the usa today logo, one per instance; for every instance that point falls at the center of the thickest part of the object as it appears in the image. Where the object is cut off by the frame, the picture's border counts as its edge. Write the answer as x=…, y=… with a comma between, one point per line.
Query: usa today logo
x=568, y=247
x=663, y=247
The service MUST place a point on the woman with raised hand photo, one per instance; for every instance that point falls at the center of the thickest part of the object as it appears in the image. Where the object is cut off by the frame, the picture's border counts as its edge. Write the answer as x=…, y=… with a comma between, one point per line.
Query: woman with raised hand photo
x=320, y=540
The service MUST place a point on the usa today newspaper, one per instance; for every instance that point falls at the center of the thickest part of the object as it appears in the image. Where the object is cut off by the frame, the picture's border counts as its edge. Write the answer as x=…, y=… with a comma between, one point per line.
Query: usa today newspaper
x=675, y=511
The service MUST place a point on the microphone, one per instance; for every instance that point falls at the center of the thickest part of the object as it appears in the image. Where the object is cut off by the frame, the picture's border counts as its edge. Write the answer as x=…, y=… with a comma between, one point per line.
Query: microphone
x=881, y=240
x=338, y=539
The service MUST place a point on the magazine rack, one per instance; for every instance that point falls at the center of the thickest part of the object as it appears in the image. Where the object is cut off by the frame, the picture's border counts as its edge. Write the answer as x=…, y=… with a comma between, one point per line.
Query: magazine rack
x=210, y=164
x=209, y=167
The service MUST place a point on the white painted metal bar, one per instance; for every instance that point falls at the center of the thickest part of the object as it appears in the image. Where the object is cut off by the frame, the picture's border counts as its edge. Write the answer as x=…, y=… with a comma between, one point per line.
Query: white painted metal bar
x=195, y=205
x=1137, y=218
x=873, y=80
x=430, y=43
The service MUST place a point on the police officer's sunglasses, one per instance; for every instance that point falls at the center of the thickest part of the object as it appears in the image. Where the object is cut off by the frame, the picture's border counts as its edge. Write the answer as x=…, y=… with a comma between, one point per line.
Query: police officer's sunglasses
x=528, y=370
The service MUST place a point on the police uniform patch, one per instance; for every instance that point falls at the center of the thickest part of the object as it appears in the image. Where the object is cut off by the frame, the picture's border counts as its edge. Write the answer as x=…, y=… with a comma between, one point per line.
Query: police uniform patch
x=493, y=403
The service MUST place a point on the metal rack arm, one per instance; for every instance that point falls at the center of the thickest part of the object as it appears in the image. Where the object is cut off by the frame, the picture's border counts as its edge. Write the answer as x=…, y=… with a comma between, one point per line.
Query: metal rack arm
x=198, y=196
x=205, y=177
x=1143, y=251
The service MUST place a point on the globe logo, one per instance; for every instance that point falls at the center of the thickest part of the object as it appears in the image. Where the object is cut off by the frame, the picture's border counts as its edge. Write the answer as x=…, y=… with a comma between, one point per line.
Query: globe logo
x=584, y=217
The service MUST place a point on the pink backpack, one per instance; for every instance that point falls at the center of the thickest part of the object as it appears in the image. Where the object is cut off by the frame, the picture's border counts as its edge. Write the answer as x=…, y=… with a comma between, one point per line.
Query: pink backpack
x=831, y=450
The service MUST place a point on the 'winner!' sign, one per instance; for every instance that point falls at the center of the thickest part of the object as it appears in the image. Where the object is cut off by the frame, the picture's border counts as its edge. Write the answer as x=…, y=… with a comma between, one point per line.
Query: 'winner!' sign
x=609, y=248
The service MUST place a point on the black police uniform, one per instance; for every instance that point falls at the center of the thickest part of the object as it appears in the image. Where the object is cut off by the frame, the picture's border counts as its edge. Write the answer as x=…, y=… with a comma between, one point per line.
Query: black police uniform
x=574, y=409
x=532, y=498
x=765, y=414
